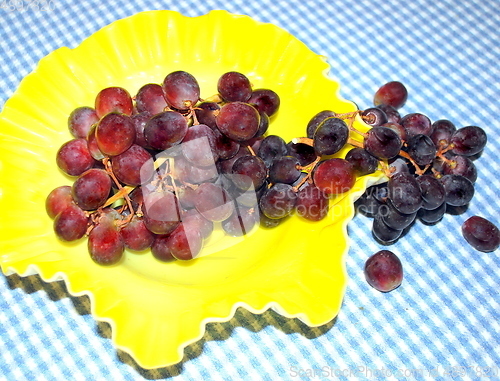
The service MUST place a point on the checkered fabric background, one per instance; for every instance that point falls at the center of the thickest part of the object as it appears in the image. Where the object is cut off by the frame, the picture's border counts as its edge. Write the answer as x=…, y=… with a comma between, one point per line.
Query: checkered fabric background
x=442, y=323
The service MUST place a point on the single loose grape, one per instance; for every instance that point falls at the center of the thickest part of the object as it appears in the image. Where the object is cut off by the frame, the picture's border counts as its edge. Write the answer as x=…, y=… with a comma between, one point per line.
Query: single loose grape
x=392, y=93
x=384, y=271
x=481, y=234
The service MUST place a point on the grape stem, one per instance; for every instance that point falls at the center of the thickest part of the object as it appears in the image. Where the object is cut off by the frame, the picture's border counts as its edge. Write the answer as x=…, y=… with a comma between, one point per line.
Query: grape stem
x=307, y=141
x=350, y=116
x=118, y=195
x=109, y=170
x=451, y=163
x=419, y=171
x=386, y=168
x=309, y=169
x=252, y=152
x=355, y=143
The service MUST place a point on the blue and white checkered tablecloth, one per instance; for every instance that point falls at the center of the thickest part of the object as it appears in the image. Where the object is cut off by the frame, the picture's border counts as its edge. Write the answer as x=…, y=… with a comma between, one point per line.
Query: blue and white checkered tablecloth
x=442, y=323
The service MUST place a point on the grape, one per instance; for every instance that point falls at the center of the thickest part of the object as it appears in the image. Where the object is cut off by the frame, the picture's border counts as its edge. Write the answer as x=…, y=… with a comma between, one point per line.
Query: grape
x=301, y=181
x=134, y=166
x=160, y=249
x=421, y=149
x=303, y=152
x=374, y=116
x=272, y=147
x=330, y=136
x=225, y=147
x=398, y=129
x=278, y=201
x=71, y=224
x=137, y=197
x=405, y=193
x=184, y=243
x=416, y=123
x=442, y=130
x=481, y=234
x=391, y=112
x=395, y=219
x=384, y=271
x=165, y=130
x=248, y=197
x=460, y=165
x=269, y=223
x=199, y=145
x=284, y=170
x=161, y=212
x=115, y=133
x=368, y=204
x=392, y=93
x=239, y=121
x=192, y=219
x=263, y=125
x=241, y=222
x=382, y=143
x=187, y=172
x=105, y=244
x=468, y=140
x=433, y=193
x=432, y=216
x=459, y=190
x=81, y=120
x=58, y=200
x=213, y=202
x=136, y=236
x=334, y=176
x=150, y=99
x=92, y=146
x=140, y=121
x=181, y=90
x=186, y=196
x=312, y=203
x=234, y=87
x=91, y=189
x=381, y=193
x=247, y=171
x=226, y=166
x=383, y=233
x=316, y=120
x=205, y=113
x=113, y=99
x=362, y=162
x=265, y=100
x=74, y=158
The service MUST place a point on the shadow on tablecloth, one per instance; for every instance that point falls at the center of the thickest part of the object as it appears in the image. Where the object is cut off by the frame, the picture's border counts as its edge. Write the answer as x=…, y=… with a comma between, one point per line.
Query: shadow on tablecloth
x=214, y=331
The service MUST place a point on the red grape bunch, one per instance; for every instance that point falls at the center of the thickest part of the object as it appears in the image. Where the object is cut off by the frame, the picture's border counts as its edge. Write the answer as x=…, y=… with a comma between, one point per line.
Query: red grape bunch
x=155, y=171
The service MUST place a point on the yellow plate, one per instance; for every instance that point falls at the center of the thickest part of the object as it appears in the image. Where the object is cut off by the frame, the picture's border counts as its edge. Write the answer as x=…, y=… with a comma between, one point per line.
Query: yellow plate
x=156, y=309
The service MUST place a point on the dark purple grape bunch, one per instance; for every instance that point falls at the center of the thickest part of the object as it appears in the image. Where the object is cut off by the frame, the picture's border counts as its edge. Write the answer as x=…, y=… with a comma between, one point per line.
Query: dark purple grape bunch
x=155, y=171
x=430, y=165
